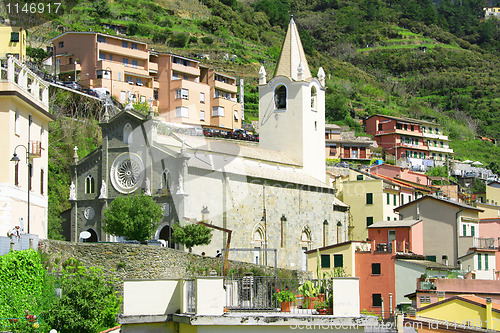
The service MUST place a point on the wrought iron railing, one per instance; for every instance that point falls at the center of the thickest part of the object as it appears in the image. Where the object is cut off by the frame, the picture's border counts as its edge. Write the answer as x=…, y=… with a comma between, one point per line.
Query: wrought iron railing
x=262, y=293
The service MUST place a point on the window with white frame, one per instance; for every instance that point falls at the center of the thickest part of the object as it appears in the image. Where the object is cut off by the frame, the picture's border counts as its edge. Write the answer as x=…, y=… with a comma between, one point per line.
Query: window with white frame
x=181, y=94
x=218, y=111
x=182, y=111
x=125, y=61
x=202, y=97
x=175, y=76
x=202, y=115
x=89, y=184
x=127, y=134
x=102, y=56
x=134, y=63
x=133, y=46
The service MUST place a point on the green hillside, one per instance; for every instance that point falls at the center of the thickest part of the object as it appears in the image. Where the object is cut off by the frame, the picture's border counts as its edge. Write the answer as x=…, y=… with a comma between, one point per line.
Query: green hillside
x=397, y=57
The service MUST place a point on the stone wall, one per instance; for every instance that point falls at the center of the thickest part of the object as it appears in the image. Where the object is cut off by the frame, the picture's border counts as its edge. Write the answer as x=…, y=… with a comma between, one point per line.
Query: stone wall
x=131, y=261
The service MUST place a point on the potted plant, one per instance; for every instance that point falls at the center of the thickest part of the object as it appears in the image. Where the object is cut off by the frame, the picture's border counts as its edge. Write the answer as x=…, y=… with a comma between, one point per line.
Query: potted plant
x=310, y=293
x=284, y=297
x=321, y=307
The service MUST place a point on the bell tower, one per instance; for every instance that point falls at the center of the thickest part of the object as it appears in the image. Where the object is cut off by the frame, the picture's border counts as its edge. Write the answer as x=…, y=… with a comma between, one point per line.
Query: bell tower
x=292, y=108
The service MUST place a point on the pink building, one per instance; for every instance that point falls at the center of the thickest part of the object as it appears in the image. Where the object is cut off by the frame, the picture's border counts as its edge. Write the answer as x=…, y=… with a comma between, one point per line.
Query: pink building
x=408, y=234
x=393, y=171
x=490, y=228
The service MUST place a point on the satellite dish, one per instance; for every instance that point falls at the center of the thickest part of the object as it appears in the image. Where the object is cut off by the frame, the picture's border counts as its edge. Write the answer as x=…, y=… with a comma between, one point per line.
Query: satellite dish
x=85, y=235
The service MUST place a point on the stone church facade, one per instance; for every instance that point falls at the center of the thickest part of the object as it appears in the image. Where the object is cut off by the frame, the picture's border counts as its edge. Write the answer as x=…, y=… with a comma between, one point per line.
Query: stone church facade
x=271, y=195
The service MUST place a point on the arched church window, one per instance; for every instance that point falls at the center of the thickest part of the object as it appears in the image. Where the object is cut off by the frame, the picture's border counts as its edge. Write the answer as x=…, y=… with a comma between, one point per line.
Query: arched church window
x=314, y=97
x=166, y=179
x=306, y=238
x=127, y=134
x=280, y=97
x=89, y=184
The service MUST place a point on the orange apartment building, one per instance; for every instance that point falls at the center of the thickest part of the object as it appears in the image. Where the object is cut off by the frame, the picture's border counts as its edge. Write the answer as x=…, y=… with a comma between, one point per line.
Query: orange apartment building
x=102, y=61
x=194, y=94
x=181, y=89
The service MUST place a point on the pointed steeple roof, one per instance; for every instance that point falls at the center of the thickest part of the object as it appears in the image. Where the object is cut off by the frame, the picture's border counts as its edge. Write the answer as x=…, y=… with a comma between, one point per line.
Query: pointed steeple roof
x=292, y=56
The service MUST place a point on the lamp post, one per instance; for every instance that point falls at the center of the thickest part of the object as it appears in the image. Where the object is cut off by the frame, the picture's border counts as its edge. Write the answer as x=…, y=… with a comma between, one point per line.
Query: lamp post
x=16, y=160
x=283, y=220
x=264, y=219
x=75, y=70
x=325, y=224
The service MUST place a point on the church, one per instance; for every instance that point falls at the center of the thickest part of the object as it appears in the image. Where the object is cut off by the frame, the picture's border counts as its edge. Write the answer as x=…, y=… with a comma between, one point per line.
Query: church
x=272, y=196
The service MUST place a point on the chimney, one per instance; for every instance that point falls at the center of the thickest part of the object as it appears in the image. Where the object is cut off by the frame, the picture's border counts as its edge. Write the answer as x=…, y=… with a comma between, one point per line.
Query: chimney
x=489, y=314
x=373, y=245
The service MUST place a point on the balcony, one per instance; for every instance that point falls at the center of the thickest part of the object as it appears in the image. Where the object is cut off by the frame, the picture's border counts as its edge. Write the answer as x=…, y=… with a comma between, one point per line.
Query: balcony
x=400, y=131
x=227, y=300
x=186, y=69
x=441, y=149
x=483, y=243
x=153, y=67
x=70, y=68
x=118, y=49
x=435, y=136
x=16, y=76
x=226, y=87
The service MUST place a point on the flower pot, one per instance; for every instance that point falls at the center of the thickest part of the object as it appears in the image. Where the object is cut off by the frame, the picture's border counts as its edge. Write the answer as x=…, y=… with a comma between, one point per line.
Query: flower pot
x=310, y=302
x=322, y=311
x=285, y=306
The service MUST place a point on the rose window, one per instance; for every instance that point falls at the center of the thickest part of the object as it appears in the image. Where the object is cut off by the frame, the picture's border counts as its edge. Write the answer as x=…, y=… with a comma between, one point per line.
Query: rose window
x=127, y=173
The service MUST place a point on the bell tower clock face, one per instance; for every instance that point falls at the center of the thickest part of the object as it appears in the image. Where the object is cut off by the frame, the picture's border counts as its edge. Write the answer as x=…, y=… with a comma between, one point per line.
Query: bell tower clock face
x=127, y=173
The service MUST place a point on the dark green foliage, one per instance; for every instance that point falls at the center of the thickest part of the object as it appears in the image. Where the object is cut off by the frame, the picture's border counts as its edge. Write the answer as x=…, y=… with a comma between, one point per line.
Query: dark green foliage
x=437, y=171
x=278, y=11
x=36, y=54
x=133, y=217
x=89, y=301
x=179, y=39
x=192, y=235
x=207, y=40
x=160, y=36
x=193, y=40
x=65, y=134
x=138, y=29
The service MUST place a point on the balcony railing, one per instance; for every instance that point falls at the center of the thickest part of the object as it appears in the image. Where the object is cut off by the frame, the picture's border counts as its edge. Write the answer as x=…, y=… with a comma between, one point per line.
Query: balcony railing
x=483, y=243
x=12, y=70
x=262, y=293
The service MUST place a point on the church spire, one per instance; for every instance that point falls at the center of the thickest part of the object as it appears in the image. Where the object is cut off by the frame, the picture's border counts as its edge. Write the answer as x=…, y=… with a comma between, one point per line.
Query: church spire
x=292, y=58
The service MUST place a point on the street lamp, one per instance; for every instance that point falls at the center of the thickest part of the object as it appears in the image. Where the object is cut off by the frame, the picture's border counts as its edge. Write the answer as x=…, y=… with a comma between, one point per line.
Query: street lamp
x=264, y=219
x=75, y=70
x=16, y=160
x=283, y=220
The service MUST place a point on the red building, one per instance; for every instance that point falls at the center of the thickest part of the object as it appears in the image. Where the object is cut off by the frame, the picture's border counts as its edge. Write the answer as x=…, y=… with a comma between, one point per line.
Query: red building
x=406, y=137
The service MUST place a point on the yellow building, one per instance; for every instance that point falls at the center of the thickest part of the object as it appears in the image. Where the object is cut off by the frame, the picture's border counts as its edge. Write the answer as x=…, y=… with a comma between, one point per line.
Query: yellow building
x=373, y=197
x=493, y=193
x=464, y=310
x=24, y=120
x=13, y=42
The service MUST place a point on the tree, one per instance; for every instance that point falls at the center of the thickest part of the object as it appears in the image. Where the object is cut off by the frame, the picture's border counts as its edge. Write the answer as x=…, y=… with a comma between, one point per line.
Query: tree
x=133, y=217
x=192, y=234
x=88, y=302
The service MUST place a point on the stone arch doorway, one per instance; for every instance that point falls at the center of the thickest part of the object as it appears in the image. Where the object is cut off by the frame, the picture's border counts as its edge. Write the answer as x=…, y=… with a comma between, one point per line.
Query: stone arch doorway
x=165, y=233
x=94, y=238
